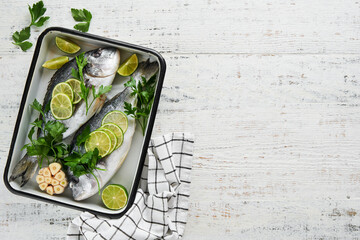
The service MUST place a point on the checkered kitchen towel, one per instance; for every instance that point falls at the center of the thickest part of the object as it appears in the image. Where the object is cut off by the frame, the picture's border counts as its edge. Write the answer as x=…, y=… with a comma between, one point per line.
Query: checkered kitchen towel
x=161, y=203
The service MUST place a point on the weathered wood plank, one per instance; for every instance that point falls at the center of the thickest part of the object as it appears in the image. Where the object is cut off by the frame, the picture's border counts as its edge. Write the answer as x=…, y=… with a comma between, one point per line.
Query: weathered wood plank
x=206, y=26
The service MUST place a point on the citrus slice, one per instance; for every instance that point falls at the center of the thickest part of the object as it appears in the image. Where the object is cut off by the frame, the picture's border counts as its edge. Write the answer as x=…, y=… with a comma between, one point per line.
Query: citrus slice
x=64, y=88
x=56, y=63
x=66, y=46
x=98, y=139
x=114, y=196
x=117, y=131
x=112, y=137
x=128, y=66
x=75, y=84
x=117, y=117
x=61, y=106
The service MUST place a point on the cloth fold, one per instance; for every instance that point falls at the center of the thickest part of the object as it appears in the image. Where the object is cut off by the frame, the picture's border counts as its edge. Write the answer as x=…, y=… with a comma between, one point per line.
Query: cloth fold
x=161, y=204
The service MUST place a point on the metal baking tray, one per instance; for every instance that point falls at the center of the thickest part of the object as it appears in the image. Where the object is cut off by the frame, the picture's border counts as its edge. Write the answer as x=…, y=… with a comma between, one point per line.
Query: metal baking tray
x=35, y=87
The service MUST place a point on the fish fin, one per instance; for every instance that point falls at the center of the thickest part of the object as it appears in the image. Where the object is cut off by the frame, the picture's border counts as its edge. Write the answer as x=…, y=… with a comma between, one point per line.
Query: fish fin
x=99, y=103
x=25, y=168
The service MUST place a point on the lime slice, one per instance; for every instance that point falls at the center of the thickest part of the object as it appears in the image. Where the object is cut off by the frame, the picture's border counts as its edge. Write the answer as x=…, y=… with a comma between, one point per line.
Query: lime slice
x=117, y=117
x=75, y=84
x=112, y=137
x=66, y=46
x=128, y=66
x=61, y=106
x=56, y=63
x=114, y=196
x=64, y=88
x=98, y=139
x=118, y=132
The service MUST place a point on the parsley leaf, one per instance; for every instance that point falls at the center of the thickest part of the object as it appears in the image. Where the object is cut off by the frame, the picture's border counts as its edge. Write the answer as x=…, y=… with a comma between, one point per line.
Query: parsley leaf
x=82, y=27
x=20, y=37
x=37, y=106
x=75, y=74
x=83, y=136
x=55, y=129
x=144, y=91
x=83, y=16
x=25, y=45
x=102, y=90
x=37, y=11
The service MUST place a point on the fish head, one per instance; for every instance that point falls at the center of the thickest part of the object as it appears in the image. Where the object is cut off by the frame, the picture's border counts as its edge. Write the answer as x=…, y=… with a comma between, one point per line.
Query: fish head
x=82, y=187
x=102, y=62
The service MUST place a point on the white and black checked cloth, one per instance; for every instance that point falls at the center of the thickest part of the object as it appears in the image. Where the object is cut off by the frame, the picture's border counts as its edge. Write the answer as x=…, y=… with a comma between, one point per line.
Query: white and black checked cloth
x=161, y=203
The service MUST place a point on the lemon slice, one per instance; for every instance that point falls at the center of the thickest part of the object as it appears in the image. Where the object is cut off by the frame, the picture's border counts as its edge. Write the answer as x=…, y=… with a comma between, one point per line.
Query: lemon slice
x=128, y=66
x=114, y=196
x=112, y=137
x=99, y=139
x=56, y=63
x=61, y=106
x=117, y=131
x=64, y=88
x=66, y=46
x=75, y=84
x=117, y=117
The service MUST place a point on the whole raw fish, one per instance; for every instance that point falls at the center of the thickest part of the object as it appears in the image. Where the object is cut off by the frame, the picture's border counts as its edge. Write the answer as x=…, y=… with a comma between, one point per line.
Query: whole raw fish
x=86, y=186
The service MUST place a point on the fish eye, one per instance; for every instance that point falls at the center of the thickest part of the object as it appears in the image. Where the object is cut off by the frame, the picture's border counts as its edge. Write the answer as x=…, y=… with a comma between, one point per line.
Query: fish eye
x=97, y=53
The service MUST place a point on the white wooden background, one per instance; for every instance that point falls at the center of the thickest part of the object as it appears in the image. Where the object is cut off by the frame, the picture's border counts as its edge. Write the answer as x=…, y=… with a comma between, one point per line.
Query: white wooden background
x=270, y=88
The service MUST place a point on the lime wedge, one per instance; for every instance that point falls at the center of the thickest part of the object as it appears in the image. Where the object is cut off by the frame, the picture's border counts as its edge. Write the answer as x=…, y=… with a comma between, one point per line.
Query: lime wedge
x=61, y=106
x=112, y=137
x=128, y=66
x=66, y=46
x=114, y=196
x=56, y=63
x=98, y=139
x=75, y=84
x=64, y=88
x=117, y=117
x=117, y=131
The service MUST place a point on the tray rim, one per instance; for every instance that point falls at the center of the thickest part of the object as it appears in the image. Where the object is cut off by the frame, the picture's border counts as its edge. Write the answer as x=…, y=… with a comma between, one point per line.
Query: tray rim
x=148, y=130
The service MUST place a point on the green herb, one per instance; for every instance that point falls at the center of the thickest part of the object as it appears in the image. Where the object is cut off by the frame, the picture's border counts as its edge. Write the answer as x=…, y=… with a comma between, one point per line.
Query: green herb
x=20, y=37
x=49, y=145
x=36, y=13
x=85, y=163
x=83, y=16
x=83, y=136
x=144, y=91
x=81, y=62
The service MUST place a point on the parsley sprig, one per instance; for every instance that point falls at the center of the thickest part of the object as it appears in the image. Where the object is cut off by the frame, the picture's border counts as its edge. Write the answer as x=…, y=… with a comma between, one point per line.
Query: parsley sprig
x=83, y=163
x=36, y=12
x=81, y=62
x=83, y=16
x=144, y=91
x=50, y=144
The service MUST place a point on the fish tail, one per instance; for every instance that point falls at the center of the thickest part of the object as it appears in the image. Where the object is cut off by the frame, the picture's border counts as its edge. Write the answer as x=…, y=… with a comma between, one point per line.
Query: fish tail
x=146, y=69
x=25, y=169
